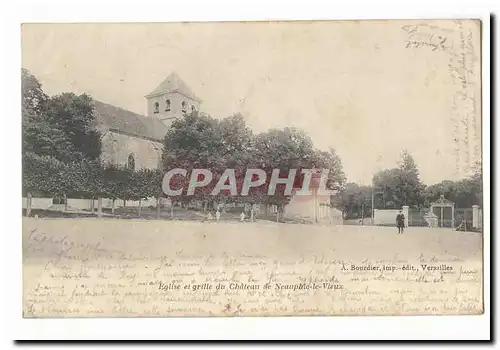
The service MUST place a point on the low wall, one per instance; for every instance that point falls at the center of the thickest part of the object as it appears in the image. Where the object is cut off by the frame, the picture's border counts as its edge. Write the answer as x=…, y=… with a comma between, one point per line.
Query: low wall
x=86, y=204
x=77, y=203
x=335, y=216
x=385, y=217
x=38, y=203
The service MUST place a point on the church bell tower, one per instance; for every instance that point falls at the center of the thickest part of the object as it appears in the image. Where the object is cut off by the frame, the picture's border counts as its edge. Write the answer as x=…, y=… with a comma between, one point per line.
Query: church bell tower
x=171, y=99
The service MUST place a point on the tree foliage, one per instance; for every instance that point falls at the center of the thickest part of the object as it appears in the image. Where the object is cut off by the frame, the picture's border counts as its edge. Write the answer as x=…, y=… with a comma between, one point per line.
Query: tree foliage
x=199, y=141
x=399, y=186
x=61, y=126
x=43, y=174
x=39, y=135
x=47, y=175
x=33, y=98
x=354, y=201
x=464, y=193
x=61, y=146
x=73, y=116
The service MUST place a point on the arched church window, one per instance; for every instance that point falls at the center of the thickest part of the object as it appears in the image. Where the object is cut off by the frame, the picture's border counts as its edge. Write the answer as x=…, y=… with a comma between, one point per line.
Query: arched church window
x=156, y=107
x=167, y=105
x=131, y=162
x=184, y=106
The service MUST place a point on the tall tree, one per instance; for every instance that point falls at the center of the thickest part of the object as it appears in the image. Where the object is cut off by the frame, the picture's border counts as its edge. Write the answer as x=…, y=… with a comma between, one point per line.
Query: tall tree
x=290, y=148
x=283, y=149
x=399, y=186
x=193, y=142
x=62, y=126
x=33, y=98
x=385, y=184
x=74, y=116
x=410, y=190
x=38, y=134
x=199, y=141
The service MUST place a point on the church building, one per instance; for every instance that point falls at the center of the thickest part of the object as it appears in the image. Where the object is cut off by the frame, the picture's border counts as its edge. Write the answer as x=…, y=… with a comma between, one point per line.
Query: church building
x=136, y=140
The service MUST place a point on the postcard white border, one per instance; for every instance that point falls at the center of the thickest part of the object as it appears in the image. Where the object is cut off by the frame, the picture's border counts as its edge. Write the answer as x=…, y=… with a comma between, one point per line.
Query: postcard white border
x=336, y=328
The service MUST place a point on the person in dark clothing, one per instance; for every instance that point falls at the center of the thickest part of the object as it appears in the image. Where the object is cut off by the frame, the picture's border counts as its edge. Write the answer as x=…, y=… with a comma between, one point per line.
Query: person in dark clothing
x=400, y=222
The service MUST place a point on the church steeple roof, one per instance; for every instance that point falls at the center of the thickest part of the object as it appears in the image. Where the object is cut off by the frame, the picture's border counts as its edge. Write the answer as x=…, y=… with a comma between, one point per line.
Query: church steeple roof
x=173, y=83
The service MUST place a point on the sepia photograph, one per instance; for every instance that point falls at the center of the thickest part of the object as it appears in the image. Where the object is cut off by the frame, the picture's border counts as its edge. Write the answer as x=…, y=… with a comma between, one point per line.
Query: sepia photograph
x=260, y=168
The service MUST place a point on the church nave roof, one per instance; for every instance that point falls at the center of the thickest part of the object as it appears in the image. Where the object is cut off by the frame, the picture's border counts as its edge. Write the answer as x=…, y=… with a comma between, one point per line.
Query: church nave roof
x=128, y=122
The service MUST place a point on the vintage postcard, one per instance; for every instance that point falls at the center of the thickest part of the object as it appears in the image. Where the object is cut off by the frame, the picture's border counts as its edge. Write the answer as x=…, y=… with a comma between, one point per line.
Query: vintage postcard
x=290, y=168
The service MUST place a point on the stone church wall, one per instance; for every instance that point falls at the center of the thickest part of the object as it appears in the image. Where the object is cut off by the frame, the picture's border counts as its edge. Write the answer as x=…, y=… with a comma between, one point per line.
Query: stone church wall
x=117, y=147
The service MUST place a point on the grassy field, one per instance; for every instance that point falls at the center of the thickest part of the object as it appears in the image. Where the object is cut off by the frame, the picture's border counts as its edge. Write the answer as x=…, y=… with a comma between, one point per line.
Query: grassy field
x=108, y=267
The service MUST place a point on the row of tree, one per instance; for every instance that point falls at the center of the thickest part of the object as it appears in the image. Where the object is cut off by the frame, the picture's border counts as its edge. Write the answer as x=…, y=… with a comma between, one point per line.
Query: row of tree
x=201, y=141
x=89, y=179
x=394, y=188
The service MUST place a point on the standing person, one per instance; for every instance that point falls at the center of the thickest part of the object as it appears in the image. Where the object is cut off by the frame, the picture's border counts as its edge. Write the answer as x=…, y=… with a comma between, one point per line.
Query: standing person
x=242, y=216
x=217, y=215
x=256, y=212
x=400, y=222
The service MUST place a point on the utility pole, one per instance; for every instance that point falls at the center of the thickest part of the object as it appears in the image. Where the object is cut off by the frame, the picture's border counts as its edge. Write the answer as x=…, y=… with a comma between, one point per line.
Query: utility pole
x=373, y=204
x=377, y=166
x=363, y=212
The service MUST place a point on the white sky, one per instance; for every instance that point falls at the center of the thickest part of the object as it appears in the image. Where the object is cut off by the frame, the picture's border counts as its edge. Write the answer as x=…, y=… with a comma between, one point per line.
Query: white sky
x=353, y=86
